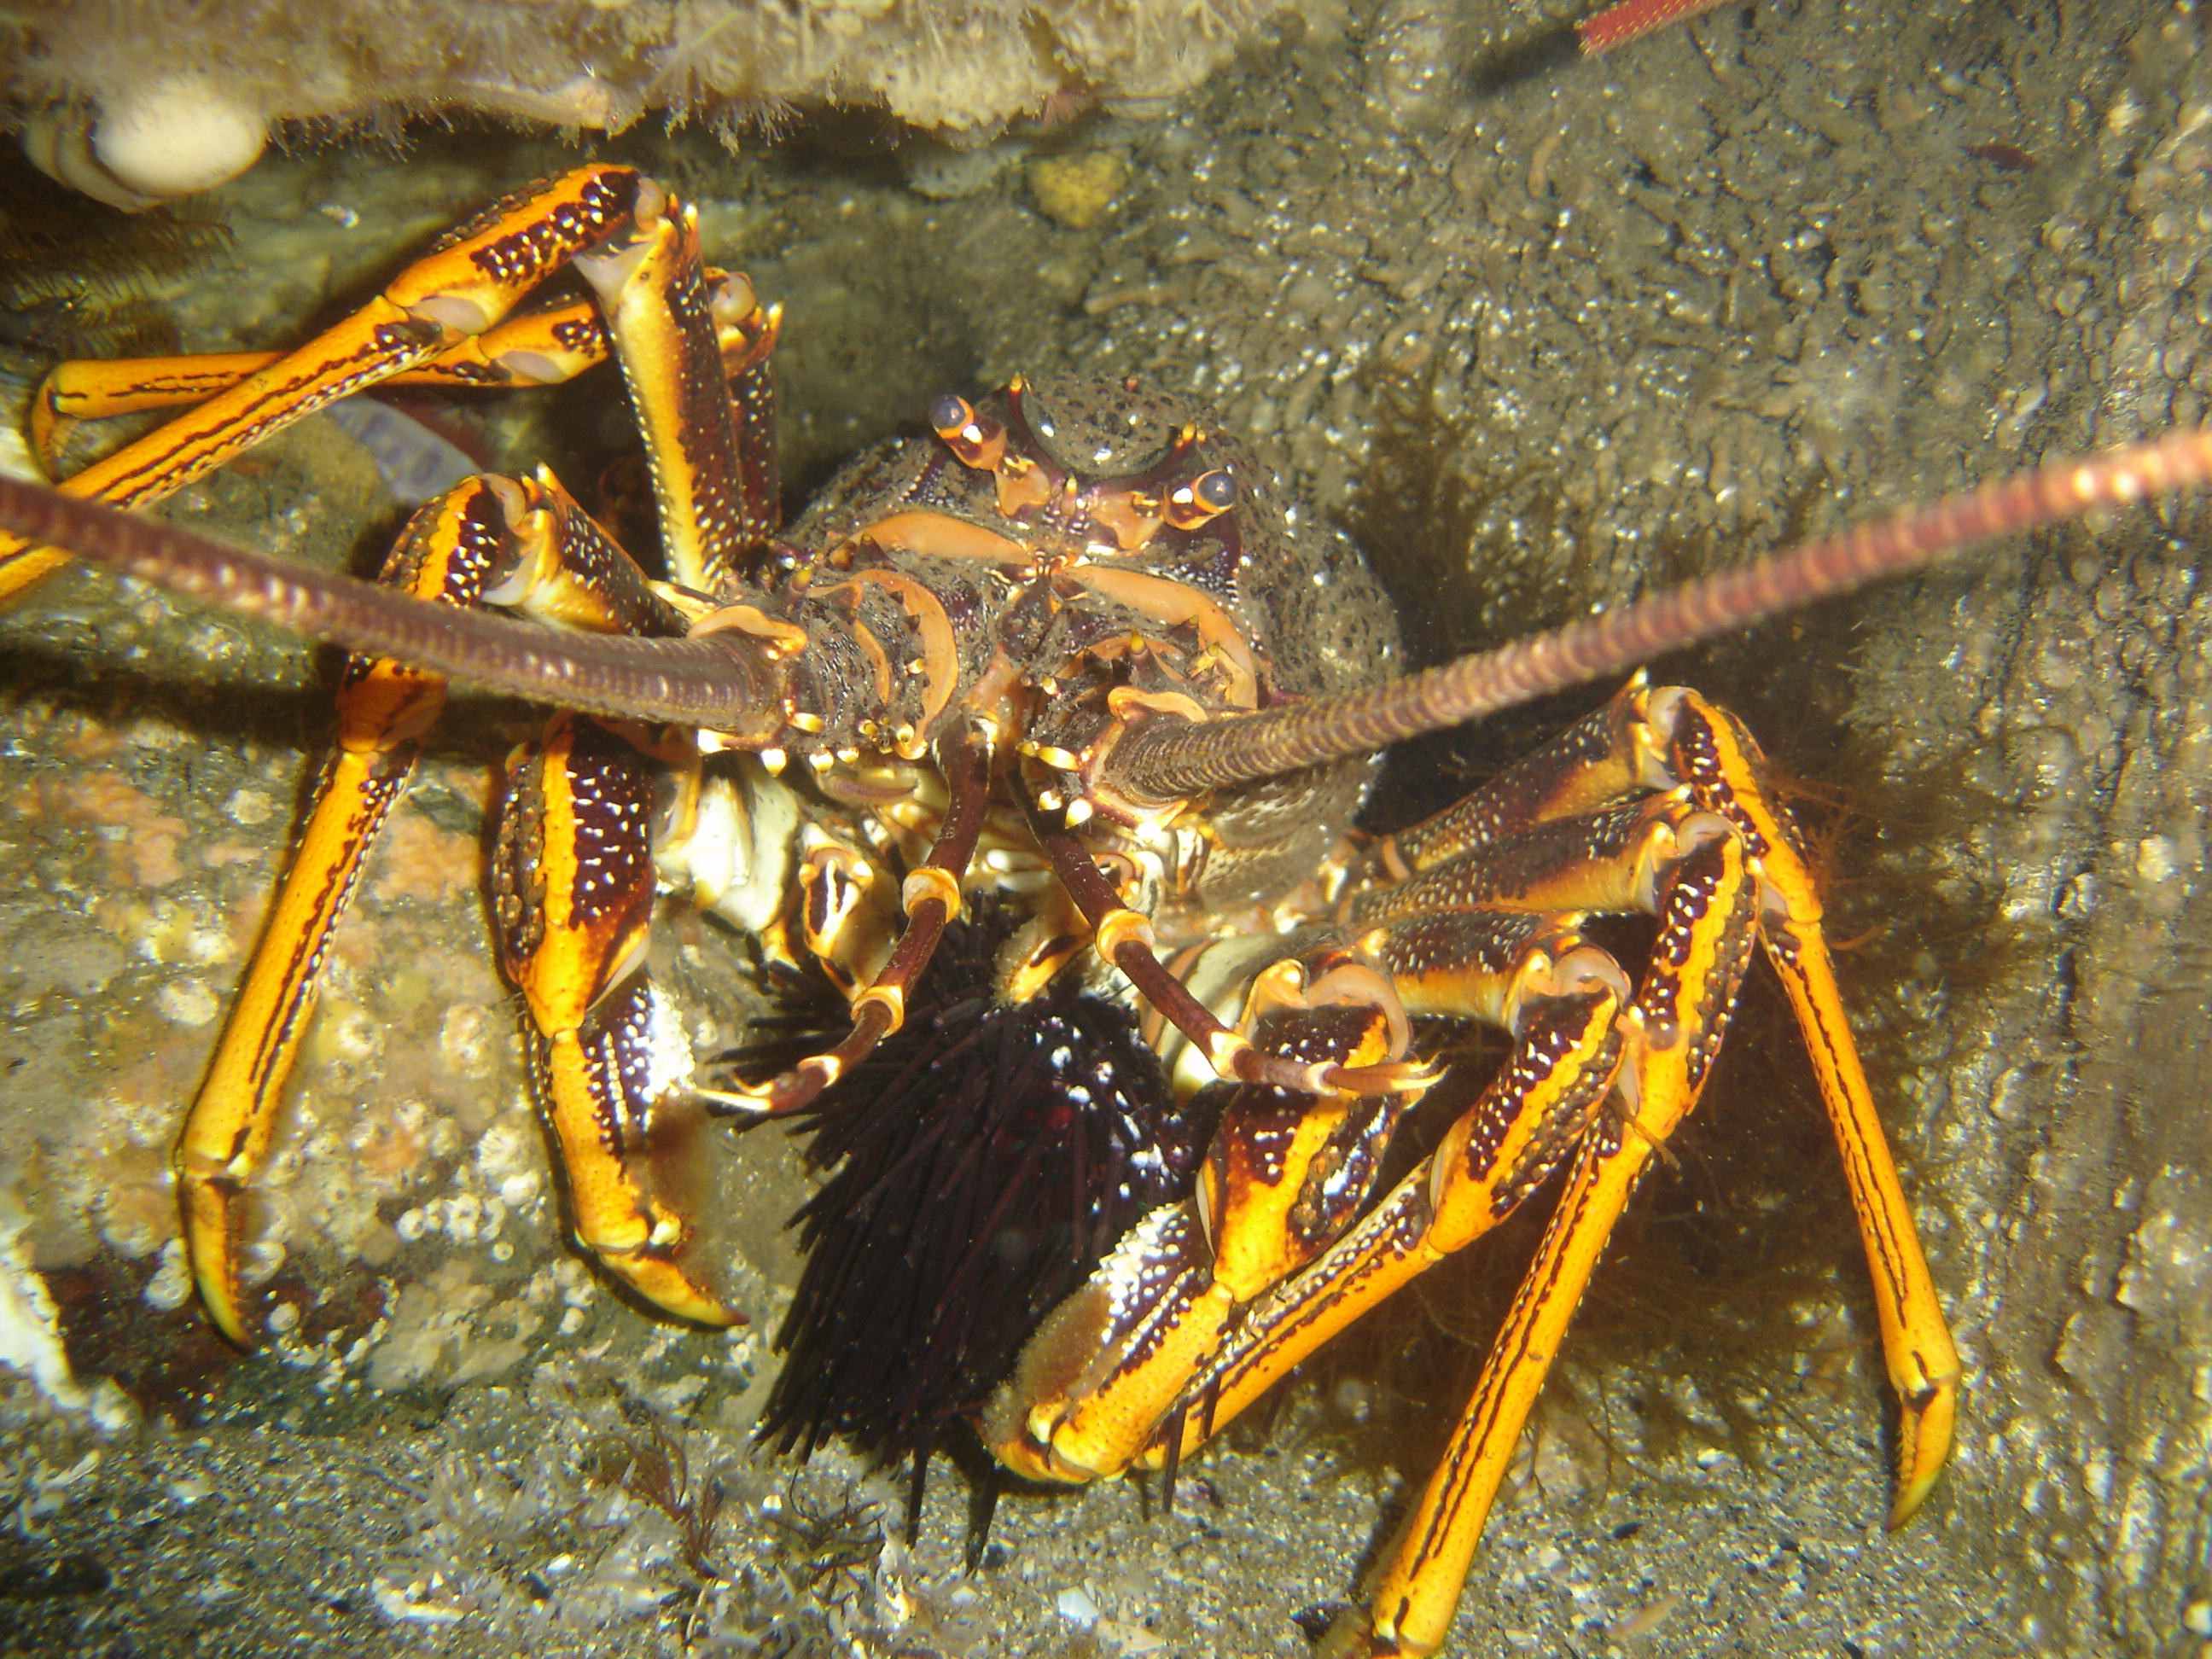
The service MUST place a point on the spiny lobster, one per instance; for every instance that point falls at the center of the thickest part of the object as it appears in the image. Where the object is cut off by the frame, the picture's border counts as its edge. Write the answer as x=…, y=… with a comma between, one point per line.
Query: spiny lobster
x=1067, y=668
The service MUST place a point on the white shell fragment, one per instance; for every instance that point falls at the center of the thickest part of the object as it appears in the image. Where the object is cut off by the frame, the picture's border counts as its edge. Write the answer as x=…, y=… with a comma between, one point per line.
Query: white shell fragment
x=1076, y=1606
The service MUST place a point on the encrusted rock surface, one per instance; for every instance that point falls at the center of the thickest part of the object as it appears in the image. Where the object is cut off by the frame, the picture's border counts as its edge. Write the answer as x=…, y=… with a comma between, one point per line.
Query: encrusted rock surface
x=134, y=100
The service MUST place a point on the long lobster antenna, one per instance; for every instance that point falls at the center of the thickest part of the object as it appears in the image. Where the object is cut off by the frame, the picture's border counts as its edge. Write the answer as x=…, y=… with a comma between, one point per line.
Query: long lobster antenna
x=1168, y=759
x=728, y=681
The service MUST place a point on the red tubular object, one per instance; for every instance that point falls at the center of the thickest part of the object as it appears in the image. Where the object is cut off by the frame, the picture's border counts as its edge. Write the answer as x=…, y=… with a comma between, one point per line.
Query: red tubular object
x=1631, y=19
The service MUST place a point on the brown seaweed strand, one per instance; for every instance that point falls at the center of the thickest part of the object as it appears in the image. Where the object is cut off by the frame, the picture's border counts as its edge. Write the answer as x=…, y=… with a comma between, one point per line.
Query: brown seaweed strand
x=728, y=681
x=1168, y=759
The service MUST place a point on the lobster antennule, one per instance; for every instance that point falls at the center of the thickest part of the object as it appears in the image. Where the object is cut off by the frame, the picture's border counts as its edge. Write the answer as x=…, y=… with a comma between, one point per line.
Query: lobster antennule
x=729, y=681
x=1168, y=759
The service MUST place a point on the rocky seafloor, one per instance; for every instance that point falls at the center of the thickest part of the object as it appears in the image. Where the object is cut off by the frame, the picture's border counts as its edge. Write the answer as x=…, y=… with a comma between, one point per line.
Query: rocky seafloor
x=1539, y=340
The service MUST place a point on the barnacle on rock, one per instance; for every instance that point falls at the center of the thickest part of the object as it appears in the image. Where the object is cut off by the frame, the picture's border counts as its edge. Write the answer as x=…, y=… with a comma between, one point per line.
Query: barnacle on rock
x=167, y=136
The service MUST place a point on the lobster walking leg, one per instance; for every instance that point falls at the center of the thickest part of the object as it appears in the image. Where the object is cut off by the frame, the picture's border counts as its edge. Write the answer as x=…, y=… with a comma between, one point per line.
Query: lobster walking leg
x=1669, y=738
x=543, y=346
x=1489, y=933
x=1603, y=758
x=679, y=338
x=1284, y=1173
x=436, y=306
x=383, y=709
x=1123, y=939
x=573, y=885
x=524, y=545
x=1563, y=1000
x=1561, y=997
x=1725, y=772
x=1706, y=939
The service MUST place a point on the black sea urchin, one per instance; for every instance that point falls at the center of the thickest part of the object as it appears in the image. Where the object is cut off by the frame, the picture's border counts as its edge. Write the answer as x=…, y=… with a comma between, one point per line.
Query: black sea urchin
x=982, y=1161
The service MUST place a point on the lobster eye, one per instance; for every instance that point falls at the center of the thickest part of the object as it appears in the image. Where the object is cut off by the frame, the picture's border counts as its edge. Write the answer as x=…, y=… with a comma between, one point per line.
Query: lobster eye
x=975, y=440
x=1203, y=499
x=948, y=414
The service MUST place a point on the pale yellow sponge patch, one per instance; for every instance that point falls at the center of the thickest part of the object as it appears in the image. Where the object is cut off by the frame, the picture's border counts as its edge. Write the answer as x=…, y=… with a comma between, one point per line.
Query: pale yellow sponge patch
x=1073, y=190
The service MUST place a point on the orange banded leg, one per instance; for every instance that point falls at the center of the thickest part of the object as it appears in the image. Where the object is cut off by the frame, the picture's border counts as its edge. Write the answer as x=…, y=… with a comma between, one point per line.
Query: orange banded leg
x=1284, y=1175
x=545, y=347
x=487, y=540
x=930, y=898
x=1447, y=936
x=1490, y=850
x=1613, y=860
x=383, y=709
x=748, y=332
x=433, y=308
x=574, y=884
x=226, y=1136
x=539, y=348
x=1726, y=774
x=1562, y=1000
x=1123, y=939
x=1603, y=758
x=560, y=568
x=1673, y=1031
x=100, y=389
x=677, y=335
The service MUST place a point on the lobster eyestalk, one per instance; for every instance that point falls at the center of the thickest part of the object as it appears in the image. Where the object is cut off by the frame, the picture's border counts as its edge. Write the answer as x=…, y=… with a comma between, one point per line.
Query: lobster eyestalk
x=729, y=681
x=1168, y=759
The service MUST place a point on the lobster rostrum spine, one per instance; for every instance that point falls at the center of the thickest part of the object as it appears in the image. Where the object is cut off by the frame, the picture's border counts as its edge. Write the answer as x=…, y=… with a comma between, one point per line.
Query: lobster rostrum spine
x=1066, y=646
